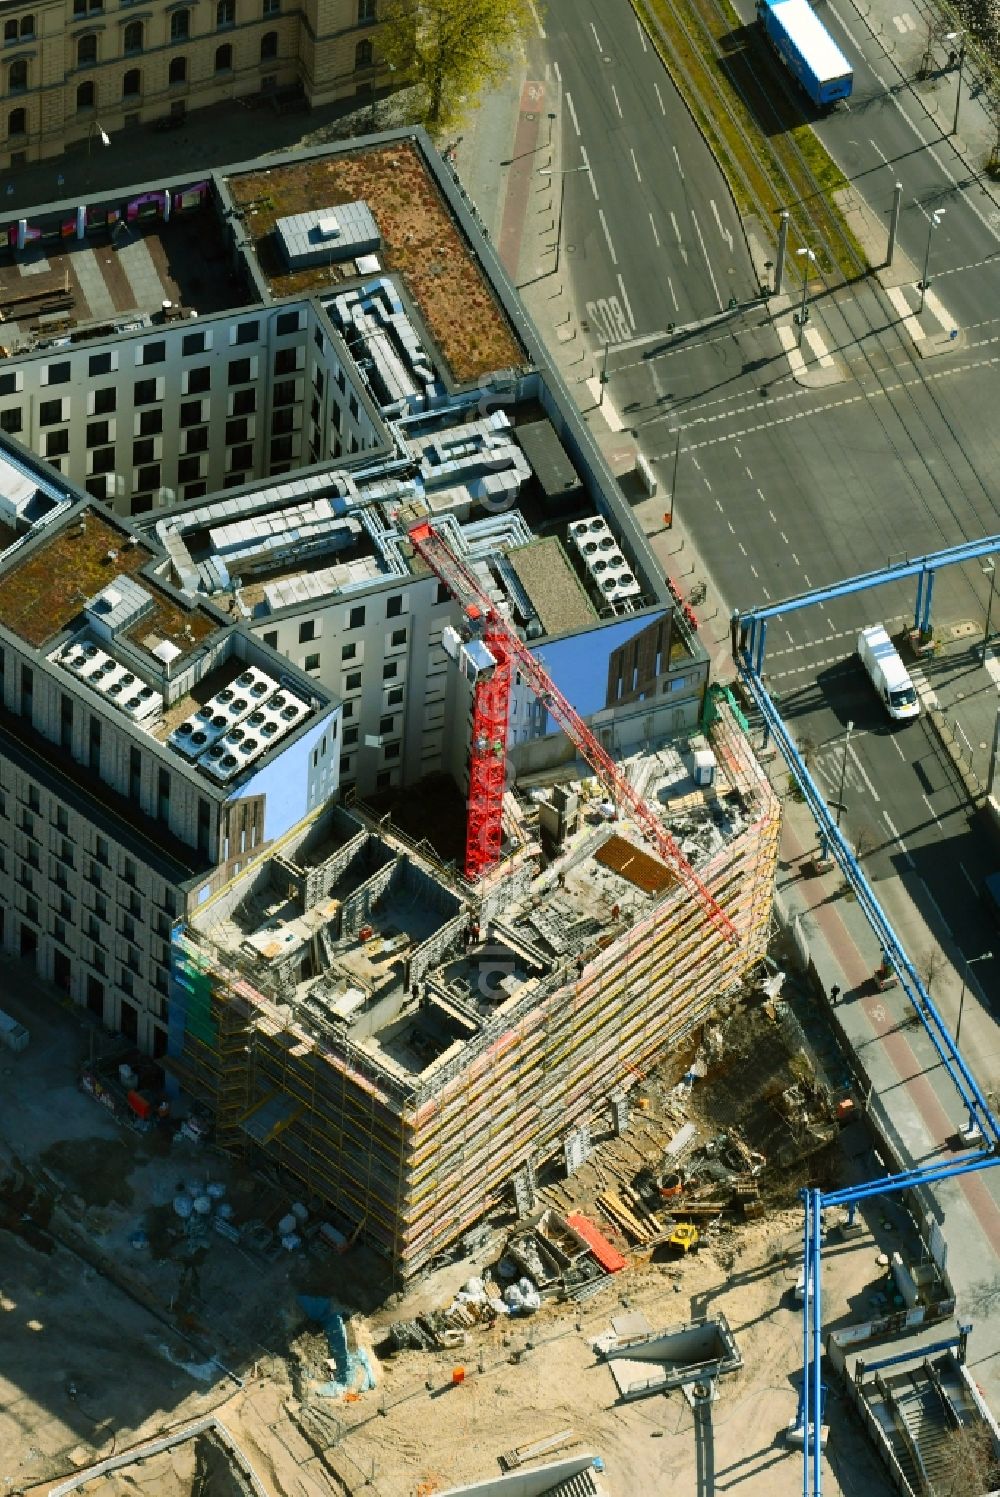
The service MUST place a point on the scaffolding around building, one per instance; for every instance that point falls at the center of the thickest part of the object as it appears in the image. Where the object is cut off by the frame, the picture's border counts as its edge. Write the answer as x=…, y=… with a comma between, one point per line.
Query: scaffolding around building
x=409, y=1161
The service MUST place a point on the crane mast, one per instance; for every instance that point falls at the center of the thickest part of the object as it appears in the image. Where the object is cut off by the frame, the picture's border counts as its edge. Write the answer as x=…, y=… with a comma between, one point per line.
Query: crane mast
x=488, y=750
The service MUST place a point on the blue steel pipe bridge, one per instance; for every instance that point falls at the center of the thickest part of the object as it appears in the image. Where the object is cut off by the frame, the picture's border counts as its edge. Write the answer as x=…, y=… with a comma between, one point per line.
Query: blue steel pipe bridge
x=981, y=1129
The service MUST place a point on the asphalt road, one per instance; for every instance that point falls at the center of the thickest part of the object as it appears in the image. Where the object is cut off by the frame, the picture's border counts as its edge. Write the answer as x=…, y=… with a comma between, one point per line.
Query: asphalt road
x=783, y=487
x=650, y=234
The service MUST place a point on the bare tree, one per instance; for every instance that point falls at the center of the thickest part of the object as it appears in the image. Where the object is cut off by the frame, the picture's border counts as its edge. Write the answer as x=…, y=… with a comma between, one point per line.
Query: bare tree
x=929, y=965
x=970, y=1467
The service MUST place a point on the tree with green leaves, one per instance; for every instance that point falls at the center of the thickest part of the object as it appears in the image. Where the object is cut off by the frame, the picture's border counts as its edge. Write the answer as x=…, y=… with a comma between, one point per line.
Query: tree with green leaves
x=449, y=50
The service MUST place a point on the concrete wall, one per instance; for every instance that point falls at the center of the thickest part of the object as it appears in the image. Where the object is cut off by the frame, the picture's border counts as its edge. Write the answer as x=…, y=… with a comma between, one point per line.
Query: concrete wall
x=533, y=1483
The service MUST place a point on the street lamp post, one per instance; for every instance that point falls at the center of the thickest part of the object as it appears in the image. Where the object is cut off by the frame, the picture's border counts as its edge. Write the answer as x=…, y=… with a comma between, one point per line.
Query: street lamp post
x=958, y=36
x=843, y=772
x=932, y=223
x=604, y=373
x=546, y=171
x=970, y=961
x=668, y=520
x=989, y=570
x=803, y=314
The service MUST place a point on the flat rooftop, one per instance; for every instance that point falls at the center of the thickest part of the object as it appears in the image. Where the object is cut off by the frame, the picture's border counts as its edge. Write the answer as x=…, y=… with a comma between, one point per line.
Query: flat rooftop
x=43, y=589
x=67, y=288
x=421, y=242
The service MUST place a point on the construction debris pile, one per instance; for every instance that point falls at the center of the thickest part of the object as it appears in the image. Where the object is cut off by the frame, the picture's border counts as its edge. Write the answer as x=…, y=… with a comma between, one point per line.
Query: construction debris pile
x=553, y=1258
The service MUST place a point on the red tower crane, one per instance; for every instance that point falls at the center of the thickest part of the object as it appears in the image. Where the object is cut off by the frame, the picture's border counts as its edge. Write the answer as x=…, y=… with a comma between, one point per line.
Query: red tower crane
x=500, y=651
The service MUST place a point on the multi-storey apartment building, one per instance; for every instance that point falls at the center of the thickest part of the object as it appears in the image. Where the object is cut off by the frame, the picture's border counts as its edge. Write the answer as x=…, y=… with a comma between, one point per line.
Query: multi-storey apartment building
x=149, y=749
x=71, y=68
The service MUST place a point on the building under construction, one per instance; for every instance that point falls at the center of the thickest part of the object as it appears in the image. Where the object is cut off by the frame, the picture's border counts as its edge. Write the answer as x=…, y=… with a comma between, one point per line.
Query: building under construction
x=410, y=1046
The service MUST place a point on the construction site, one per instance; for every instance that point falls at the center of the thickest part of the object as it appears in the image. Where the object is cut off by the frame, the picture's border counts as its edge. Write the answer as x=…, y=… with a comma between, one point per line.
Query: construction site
x=315, y=1376
x=411, y=1047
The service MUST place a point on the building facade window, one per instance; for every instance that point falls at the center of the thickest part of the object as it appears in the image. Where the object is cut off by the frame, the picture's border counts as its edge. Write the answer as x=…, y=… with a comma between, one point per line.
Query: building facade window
x=367, y=12
x=17, y=122
x=86, y=50
x=132, y=84
x=132, y=38
x=178, y=70
x=19, y=31
x=85, y=95
x=364, y=55
x=180, y=25
x=268, y=45
x=17, y=76
x=225, y=14
x=224, y=59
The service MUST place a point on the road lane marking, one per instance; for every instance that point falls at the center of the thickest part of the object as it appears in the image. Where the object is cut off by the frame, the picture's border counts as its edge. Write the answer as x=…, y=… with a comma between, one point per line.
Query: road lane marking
x=614, y=94
x=572, y=111
x=931, y=809
x=726, y=233
x=590, y=174
x=609, y=321
x=642, y=34
x=680, y=242
x=852, y=755
x=607, y=235
x=605, y=406
x=638, y=173
x=659, y=100
x=652, y=225
x=597, y=39
x=537, y=19
x=628, y=304
x=969, y=880
x=678, y=160
x=701, y=241
x=905, y=851
x=673, y=293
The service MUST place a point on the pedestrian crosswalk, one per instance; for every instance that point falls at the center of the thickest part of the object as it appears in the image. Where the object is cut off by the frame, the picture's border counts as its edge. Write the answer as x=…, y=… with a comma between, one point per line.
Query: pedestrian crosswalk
x=934, y=321
x=930, y=324
x=816, y=351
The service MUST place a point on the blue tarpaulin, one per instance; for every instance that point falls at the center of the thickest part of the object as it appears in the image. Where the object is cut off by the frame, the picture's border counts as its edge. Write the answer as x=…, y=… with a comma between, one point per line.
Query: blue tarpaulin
x=354, y=1369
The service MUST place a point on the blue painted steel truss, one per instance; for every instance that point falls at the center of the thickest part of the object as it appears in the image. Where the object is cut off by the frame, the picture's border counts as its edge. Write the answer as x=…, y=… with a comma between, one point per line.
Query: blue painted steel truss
x=749, y=642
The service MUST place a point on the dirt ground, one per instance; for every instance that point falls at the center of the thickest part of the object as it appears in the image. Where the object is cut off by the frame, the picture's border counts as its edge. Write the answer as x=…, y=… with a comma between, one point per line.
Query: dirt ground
x=102, y=1346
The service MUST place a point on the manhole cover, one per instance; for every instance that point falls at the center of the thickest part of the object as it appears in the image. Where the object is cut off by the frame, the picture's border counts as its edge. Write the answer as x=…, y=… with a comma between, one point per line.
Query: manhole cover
x=963, y=630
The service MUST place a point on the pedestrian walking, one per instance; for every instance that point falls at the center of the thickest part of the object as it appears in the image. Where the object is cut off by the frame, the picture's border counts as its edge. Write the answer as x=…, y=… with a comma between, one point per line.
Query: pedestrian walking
x=834, y=995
